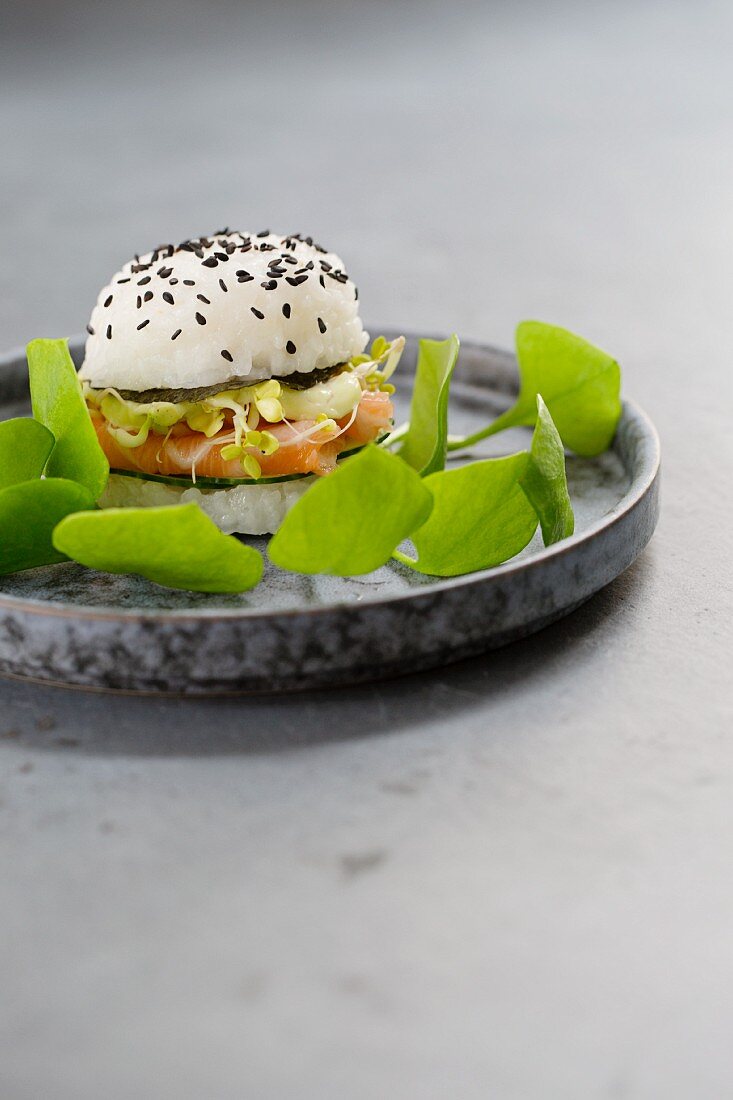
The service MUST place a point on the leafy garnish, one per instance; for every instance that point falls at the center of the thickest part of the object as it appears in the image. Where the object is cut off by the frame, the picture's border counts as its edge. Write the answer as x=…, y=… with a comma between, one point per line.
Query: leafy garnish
x=544, y=480
x=480, y=518
x=351, y=521
x=460, y=520
x=59, y=405
x=580, y=384
x=177, y=546
x=425, y=443
x=29, y=512
x=486, y=512
x=24, y=449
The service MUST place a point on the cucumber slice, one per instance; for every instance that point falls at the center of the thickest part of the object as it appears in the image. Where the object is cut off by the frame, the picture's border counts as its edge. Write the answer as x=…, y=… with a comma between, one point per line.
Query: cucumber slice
x=224, y=482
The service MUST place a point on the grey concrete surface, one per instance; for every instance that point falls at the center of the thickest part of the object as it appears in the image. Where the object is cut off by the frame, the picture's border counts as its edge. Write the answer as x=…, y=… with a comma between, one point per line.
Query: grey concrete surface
x=509, y=879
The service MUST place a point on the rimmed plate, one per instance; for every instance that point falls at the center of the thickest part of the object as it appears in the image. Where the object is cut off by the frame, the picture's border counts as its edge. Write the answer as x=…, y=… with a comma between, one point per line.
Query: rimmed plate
x=63, y=624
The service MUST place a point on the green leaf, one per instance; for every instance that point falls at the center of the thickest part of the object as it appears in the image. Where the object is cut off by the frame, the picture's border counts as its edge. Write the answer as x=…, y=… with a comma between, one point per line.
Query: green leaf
x=351, y=521
x=425, y=443
x=24, y=449
x=480, y=518
x=580, y=384
x=59, y=405
x=176, y=546
x=544, y=480
x=29, y=512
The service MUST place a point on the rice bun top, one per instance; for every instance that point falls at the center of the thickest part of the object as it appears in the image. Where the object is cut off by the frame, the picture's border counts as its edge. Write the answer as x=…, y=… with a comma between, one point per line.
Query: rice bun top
x=232, y=306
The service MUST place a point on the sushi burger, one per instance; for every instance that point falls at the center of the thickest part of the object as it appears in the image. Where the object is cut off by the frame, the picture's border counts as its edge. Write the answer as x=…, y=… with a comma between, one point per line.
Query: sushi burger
x=231, y=371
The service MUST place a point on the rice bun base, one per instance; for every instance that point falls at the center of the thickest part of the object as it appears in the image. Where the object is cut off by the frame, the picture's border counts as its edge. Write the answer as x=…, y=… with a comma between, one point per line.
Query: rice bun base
x=248, y=509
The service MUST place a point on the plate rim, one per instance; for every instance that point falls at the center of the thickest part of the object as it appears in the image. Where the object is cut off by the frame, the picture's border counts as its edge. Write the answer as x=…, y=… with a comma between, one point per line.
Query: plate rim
x=642, y=484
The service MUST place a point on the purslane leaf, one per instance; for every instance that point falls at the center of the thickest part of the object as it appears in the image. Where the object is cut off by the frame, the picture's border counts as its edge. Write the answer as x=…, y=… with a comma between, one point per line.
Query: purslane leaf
x=351, y=521
x=29, y=512
x=59, y=405
x=580, y=384
x=177, y=547
x=425, y=444
x=480, y=517
x=486, y=512
x=25, y=446
x=544, y=480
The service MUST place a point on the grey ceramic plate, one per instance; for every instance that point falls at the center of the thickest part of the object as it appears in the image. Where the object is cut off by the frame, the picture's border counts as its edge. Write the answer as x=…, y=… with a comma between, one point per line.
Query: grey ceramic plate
x=63, y=624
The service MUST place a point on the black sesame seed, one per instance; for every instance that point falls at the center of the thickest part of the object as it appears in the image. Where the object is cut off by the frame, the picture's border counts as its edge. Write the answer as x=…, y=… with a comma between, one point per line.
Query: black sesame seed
x=123, y=280
x=271, y=284
x=143, y=281
x=321, y=325
x=108, y=301
x=297, y=280
x=264, y=233
x=189, y=282
x=223, y=285
x=244, y=276
x=200, y=318
x=227, y=355
x=322, y=281
x=109, y=332
x=139, y=301
x=286, y=309
x=222, y=256
x=260, y=316
x=200, y=253
x=203, y=298
x=142, y=325
x=211, y=262
x=356, y=293
x=168, y=298
x=90, y=330
x=148, y=295
x=176, y=334
x=290, y=347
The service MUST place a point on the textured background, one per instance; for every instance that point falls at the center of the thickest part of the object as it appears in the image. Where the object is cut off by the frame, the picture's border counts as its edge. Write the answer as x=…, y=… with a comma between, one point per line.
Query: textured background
x=512, y=878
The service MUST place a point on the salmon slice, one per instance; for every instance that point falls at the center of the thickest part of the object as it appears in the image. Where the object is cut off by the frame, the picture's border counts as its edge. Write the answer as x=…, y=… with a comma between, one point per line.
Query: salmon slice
x=185, y=451
x=373, y=417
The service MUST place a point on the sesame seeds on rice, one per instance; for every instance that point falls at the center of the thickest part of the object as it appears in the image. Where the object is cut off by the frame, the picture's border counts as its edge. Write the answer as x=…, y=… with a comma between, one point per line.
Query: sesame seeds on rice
x=270, y=322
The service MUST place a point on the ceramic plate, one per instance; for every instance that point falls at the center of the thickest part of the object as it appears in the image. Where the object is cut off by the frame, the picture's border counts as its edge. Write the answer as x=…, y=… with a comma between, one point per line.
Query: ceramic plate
x=66, y=625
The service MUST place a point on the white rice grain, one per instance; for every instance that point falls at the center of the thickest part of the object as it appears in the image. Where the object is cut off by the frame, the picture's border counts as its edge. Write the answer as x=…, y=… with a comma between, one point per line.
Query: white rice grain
x=243, y=509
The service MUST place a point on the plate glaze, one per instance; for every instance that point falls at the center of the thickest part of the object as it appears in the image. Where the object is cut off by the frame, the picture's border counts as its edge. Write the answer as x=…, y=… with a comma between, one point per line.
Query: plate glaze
x=67, y=625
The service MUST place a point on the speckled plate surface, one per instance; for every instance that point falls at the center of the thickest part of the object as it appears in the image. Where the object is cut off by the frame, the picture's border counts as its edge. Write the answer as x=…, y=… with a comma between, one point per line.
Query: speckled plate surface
x=64, y=624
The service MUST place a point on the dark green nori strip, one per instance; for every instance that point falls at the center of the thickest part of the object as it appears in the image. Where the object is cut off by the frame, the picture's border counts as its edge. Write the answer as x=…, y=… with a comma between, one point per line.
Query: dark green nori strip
x=303, y=380
x=296, y=381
